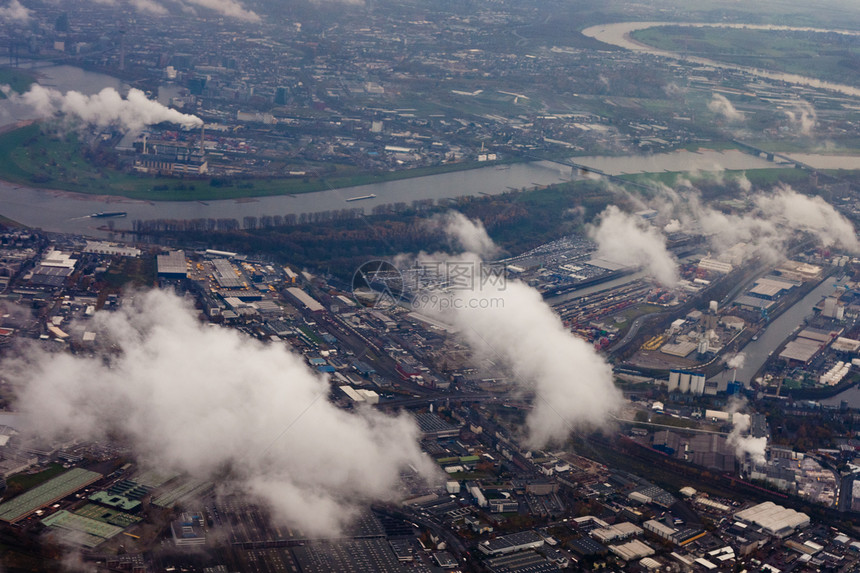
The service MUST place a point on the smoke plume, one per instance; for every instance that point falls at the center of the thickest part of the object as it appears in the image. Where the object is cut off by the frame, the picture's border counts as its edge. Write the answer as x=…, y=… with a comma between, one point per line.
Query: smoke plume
x=766, y=229
x=471, y=235
x=803, y=117
x=14, y=12
x=211, y=401
x=739, y=438
x=507, y=322
x=737, y=361
x=106, y=108
x=627, y=239
x=720, y=105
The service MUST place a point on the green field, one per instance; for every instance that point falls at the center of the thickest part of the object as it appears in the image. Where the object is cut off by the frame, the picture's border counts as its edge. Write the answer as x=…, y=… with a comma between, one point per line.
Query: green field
x=34, y=158
x=831, y=57
x=25, y=481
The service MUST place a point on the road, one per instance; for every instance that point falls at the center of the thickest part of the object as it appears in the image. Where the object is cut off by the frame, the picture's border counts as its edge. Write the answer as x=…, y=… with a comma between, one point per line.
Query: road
x=632, y=332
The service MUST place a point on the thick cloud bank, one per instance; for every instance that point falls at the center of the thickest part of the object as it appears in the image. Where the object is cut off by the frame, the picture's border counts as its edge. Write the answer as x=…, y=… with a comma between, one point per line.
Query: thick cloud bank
x=507, y=322
x=106, y=108
x=212, y=402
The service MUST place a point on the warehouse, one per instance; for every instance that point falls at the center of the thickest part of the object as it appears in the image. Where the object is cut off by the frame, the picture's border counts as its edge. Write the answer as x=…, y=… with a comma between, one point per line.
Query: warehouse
x=773, y=519
x=226, y=275
x=172, y=265
x=307, y=300
x=44, y=495
x=512, y=543
x=632, y=550
x=89, y=532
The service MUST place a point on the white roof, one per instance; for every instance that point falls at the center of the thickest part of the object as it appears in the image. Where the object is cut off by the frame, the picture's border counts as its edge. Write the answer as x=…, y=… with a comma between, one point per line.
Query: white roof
x=773, y=518
x=306, y=299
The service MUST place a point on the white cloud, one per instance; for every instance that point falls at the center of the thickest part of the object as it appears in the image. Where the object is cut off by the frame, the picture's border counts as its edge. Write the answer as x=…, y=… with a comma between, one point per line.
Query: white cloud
x=15, y=12
x=213, y=402
x=626, y=239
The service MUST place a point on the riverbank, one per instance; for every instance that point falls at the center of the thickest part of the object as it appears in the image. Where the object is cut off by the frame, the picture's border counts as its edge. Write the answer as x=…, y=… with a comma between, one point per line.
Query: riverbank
x=59, y=164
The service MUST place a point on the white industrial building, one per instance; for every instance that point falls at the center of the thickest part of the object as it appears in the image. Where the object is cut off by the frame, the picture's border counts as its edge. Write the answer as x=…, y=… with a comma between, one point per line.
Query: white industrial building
x=773, y=519
x=632, y=550
x=513, y=543
x=617, y=532
x=686, y=382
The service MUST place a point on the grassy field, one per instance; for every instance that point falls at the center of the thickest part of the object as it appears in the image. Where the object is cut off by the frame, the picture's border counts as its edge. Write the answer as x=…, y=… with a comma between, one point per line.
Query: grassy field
x=22, y=482
x=830, y=57
x=759, y=177
x=34, y=158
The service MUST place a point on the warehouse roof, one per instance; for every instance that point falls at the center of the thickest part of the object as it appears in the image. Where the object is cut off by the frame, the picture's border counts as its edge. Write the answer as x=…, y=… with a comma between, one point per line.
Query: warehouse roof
x=173, y=263
x=52, y=490
x=94, y=532
x=801, y=349
x=632, y=550
x=310, y=302
x=773, y=519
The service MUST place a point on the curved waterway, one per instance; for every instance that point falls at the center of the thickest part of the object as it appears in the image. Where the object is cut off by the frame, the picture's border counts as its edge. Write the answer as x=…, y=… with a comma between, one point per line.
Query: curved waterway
x=758, y=351
x=619, y=34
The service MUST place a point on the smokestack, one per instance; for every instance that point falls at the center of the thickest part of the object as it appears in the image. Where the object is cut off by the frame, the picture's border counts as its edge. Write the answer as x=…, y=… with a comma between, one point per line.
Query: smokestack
x=144, y=144
x=202, y=139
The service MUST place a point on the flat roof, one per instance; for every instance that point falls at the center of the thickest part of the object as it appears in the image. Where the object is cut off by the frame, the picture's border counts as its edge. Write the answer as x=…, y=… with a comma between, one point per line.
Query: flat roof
x=801, y=349
x=751, y=301
x=310, y=302
x=226, y=275
x=173, y=263
x=680, y=349
x=94, y=531
x=773, y=518
x=52, y=490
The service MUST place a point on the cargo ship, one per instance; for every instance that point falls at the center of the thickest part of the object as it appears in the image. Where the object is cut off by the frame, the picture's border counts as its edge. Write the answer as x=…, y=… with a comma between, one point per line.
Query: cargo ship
x=107, y=214
x=361, y=197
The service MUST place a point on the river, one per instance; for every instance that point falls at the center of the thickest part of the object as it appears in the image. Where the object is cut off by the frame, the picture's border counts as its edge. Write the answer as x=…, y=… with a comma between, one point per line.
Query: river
x=758, y=351
x=68, y=212
x=618, y=34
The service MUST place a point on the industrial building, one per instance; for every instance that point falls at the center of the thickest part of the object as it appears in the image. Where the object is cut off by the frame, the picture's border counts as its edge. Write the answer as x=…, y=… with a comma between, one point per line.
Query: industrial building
x=773, y=519
x=105, y=248
x=807, y=345
x=305, y=299
x=226, y=275
x=44, y=495
x=632, y=550
x=617, y=532
x=686, y=382
x=88, y=532
x=512, y=543
x=172, y=265
x=432, y=426
x=188, y=530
